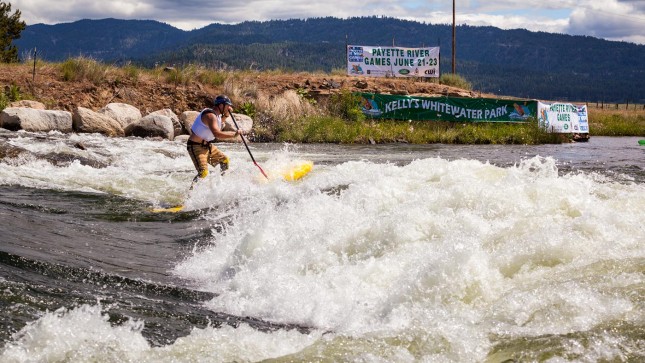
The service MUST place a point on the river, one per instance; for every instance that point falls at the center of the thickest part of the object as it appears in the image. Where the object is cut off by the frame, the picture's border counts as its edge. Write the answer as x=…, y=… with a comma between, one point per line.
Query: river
x=383, y=253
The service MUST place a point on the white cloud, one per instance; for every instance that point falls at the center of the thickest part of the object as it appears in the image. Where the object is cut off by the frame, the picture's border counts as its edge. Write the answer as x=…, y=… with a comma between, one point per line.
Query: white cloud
x=618, y=20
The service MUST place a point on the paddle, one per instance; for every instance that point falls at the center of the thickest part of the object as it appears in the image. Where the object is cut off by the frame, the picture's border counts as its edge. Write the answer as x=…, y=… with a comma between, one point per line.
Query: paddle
x=247, y=146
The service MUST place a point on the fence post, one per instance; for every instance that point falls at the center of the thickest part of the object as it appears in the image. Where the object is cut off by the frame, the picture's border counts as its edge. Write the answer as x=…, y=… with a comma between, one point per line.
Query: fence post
x=33, y=76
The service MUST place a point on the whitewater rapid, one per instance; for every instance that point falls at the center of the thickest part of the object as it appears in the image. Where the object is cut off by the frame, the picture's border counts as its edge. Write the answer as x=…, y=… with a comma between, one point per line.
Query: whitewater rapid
x=426, y=259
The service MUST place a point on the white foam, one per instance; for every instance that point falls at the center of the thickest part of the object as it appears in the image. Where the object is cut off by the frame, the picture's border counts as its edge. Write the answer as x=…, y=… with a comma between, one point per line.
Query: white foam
x=424, y=261
x=84, y=335
x=484, y=248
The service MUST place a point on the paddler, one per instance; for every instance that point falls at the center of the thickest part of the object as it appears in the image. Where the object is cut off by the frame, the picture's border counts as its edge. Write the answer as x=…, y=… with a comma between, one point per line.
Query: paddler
x=206, y=130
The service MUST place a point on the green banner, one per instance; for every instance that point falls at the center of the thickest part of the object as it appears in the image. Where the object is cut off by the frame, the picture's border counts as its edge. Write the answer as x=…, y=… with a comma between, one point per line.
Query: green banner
x=459, y=109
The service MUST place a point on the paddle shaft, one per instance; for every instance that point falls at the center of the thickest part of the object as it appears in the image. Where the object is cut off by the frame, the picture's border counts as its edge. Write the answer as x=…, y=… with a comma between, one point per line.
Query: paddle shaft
x=247, y=146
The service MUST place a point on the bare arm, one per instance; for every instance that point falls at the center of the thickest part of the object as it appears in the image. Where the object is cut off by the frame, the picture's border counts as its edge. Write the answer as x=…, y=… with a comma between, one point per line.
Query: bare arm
x=211, y=121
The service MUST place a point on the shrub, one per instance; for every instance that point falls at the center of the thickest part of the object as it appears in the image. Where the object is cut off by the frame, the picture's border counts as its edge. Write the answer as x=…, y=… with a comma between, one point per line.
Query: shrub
x=455, y=80
x=211, y=77
x=132, y=73
x=346, y=106
x=247, y=108
x=13, y=93
x=81, y=68
x=4, y=101
x=10, y=94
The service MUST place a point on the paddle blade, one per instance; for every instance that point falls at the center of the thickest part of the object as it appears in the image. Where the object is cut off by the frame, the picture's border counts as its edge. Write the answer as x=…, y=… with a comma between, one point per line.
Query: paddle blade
x=261, y=171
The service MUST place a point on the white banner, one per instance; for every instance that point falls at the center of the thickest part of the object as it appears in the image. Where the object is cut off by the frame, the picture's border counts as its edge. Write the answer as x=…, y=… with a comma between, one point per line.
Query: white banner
x=564, y=118
x=392, y=61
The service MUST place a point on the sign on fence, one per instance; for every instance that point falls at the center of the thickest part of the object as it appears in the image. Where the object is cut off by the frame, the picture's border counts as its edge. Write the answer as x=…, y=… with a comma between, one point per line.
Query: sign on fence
x=446, y=108
x=559, y=117
x=363, y=60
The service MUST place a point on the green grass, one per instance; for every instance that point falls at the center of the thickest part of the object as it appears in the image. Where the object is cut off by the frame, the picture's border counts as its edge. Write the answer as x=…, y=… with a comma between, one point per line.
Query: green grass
x=331, y=129
x=607, y=122
x=341, y=121
x=77, y=69
x=455, y=80
x=10, y=94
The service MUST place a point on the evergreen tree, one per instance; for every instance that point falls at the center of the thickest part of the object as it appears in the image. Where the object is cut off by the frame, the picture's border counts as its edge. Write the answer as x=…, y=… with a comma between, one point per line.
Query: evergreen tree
x=10, y=28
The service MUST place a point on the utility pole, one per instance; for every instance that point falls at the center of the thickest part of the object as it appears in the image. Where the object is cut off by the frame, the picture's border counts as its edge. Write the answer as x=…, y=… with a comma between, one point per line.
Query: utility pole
x=454, y=39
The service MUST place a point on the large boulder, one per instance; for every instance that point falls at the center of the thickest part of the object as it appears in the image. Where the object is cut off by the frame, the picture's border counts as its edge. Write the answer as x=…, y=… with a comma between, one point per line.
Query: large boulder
x=29, y=119
x=187, y=118
x=178, y=128
x=243, y=121
x=88, y=121
x=123, y=113
x=152, y=126
x=29, y=104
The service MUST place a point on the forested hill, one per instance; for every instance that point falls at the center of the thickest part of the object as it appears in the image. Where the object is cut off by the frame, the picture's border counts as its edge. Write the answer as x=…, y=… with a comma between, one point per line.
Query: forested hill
x=507, y=62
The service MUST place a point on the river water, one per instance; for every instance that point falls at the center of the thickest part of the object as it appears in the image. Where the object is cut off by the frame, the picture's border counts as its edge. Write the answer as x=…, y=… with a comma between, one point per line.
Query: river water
x=383, y=253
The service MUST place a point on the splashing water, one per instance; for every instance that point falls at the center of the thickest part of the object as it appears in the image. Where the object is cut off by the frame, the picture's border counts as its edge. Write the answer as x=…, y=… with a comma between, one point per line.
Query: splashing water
x=425, y=259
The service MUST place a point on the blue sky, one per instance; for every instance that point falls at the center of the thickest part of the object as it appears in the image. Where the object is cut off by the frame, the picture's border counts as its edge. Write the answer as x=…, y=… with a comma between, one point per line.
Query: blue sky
x=622, y=20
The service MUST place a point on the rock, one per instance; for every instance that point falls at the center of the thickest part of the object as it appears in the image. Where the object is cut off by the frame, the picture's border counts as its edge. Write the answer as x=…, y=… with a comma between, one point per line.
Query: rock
x=9, y=151
x=325, y=84
x=187, y=118
x=361, y=84
x=88, y=121
x=243, y=121
x=182, y=138
x=123, y=113
x=177, y=126
x=29, y=104
x=29, y=119
x=152, y=126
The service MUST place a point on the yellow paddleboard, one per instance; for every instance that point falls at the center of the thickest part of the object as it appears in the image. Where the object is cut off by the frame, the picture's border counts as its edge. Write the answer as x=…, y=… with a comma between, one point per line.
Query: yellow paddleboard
x=294, y=172
x=298, y=171
x=175, y=209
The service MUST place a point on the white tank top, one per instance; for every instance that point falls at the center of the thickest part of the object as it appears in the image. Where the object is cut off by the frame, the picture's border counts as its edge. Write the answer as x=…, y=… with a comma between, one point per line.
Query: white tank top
x=200, y=129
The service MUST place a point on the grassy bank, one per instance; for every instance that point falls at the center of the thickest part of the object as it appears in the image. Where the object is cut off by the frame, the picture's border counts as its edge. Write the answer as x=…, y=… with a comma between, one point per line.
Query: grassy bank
x=330, y=129
x=338, y=119
x=295, y=115
x=617, y=122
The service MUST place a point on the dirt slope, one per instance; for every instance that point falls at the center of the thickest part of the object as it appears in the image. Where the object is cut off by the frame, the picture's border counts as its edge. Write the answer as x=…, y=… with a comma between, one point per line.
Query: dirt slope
x=153, y=92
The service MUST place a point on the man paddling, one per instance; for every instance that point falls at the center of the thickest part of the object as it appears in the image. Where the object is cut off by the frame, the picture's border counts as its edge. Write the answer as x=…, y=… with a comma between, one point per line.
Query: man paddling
x=206, y=129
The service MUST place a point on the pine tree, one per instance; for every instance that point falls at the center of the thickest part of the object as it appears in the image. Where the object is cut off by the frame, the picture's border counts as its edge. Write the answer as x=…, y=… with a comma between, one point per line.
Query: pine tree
x=10, y=28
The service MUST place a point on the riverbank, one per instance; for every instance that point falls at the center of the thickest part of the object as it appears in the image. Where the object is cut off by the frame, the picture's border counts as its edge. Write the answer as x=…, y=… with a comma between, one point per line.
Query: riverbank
x=285, y=107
